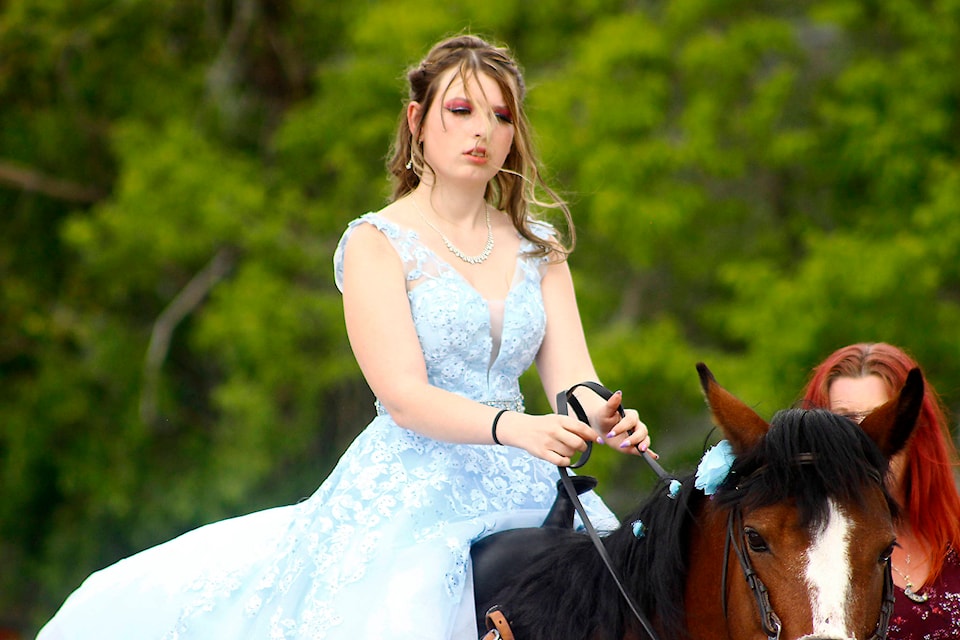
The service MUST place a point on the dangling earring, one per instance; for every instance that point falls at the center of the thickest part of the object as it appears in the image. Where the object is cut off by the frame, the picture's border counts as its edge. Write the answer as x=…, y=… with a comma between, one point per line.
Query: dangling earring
x=409, y=164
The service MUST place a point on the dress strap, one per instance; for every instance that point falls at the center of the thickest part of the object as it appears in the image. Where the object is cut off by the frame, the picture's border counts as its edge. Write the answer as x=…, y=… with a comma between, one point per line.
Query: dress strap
x=403, y=241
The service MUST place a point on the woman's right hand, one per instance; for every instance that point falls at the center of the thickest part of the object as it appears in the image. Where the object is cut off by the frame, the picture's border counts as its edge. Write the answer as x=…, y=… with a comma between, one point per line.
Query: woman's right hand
x=552, y=437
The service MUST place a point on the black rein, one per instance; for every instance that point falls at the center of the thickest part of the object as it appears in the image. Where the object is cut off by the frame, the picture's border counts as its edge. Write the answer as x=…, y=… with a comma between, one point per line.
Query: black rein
x=771, y=623
x=769, y=619
x=565, y=398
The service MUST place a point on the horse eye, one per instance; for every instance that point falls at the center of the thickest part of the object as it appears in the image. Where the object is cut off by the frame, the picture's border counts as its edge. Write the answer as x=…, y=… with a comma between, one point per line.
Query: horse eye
x=887, y=554
x=755, y=540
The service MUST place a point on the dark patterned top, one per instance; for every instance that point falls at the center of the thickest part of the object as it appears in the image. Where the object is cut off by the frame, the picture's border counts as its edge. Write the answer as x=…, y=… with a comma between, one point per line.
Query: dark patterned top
x=936, y=619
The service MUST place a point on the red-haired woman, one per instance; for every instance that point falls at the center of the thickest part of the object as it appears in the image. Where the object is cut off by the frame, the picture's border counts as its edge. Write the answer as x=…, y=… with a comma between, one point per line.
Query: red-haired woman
x=853, y=381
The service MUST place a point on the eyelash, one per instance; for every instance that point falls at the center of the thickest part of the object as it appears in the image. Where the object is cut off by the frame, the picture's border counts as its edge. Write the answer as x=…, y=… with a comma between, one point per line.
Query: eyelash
x=465, y=111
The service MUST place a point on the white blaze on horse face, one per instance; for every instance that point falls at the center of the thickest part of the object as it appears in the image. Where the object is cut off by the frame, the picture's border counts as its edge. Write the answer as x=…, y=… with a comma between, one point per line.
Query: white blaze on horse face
x=829, y=577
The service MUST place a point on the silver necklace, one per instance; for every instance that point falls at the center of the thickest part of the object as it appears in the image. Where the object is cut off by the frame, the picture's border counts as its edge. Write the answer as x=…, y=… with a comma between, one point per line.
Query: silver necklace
x=477, y=259
x=908, y=591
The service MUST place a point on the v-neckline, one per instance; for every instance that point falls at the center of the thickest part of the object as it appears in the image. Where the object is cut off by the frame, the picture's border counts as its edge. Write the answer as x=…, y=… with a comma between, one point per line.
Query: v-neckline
x=469, y=285
x=413, y=233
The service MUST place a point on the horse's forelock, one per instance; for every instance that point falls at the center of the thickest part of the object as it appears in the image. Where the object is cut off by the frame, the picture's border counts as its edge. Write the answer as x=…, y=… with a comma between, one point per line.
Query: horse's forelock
x=808, y=456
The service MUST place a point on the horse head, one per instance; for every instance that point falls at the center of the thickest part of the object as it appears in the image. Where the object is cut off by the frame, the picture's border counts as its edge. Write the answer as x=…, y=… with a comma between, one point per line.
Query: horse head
x=802, y=520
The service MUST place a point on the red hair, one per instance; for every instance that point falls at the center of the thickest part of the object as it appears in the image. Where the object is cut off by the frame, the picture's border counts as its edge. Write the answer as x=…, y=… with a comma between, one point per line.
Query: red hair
x=930, y=492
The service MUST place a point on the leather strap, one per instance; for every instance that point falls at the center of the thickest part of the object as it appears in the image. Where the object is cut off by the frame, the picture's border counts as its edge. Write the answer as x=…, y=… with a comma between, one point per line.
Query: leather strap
x=499, y=628
x=563, y=399
x=769, y=619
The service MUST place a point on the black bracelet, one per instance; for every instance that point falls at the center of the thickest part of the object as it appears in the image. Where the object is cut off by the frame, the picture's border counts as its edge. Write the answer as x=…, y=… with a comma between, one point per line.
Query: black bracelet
x=493, y=429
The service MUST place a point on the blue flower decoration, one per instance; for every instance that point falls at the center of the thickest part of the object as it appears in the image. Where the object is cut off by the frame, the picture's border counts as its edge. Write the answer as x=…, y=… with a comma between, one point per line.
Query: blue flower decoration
x=639, y=529
x=674, y=490
x=714, y=467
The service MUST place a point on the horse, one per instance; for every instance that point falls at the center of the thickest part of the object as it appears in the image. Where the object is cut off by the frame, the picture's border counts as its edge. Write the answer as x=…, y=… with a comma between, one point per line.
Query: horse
x=788, y=535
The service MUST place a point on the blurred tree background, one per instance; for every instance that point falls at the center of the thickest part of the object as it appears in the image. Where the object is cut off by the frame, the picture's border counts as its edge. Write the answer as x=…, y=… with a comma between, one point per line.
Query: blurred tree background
x=755, y=183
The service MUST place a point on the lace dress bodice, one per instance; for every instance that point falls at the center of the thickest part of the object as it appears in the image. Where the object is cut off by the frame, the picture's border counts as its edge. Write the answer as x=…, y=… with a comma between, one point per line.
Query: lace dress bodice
x=458, y=328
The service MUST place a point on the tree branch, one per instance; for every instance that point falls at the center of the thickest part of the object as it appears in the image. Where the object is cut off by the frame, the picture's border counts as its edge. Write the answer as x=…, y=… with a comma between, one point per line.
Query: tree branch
x=179, y=308
x=15, y=175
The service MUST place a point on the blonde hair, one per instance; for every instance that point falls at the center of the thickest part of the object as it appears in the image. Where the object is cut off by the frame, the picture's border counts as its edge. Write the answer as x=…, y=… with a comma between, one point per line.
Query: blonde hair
x=515, y=188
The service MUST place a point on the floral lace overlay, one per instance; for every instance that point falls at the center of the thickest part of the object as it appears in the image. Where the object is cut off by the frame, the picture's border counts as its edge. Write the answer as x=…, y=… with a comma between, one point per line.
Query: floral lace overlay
x=453, y=320
x=382, y=548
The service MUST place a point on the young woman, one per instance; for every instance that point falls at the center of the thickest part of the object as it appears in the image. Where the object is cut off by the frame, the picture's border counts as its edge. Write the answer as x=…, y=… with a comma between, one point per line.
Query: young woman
x=853, y=381
x=450, y=293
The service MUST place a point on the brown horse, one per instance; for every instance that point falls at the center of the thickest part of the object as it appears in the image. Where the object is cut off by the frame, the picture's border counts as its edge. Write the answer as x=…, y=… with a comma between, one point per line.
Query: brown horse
x=790, y=537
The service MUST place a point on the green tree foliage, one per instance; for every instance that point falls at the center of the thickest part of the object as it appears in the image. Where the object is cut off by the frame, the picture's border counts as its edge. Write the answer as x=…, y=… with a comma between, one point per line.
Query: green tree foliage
x=754, y=183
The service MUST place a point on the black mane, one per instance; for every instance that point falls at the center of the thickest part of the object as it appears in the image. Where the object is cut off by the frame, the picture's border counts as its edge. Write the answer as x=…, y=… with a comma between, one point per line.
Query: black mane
x=807, y=455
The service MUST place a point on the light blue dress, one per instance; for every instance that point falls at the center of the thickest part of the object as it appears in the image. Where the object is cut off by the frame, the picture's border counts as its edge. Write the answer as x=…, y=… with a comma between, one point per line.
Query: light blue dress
x=382, y=549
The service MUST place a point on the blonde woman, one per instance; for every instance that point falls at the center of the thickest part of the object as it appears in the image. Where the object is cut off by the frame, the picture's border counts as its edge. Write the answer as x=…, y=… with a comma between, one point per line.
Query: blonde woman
x=450, y=293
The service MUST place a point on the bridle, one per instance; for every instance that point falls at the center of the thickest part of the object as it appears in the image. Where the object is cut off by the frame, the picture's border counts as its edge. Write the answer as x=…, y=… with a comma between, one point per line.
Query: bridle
x=769, y=619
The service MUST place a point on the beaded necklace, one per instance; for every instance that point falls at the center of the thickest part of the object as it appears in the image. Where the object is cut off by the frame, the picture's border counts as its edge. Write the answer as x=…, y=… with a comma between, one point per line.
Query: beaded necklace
x=477, y=259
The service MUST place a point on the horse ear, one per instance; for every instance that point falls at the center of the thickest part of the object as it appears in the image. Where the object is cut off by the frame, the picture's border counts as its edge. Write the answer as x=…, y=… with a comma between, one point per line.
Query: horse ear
x=740, y=424
x=891, y=424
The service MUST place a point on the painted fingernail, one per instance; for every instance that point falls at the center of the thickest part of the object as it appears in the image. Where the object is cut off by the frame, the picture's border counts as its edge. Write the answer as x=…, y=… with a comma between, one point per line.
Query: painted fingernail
x=611, y=435
x=643, y=447
x=624, y=444
x=599, y=440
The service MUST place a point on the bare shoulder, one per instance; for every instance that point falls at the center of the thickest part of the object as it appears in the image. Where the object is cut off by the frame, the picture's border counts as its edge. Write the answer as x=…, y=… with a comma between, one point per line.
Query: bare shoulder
x=373, y=236
x=365, y=240
x=400, y=213
x=369, y=248
x=557, y=271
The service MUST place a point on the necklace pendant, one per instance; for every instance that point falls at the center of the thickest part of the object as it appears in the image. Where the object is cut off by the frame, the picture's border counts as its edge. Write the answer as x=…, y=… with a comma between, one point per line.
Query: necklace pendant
x=908, y=591
x=919, y=598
